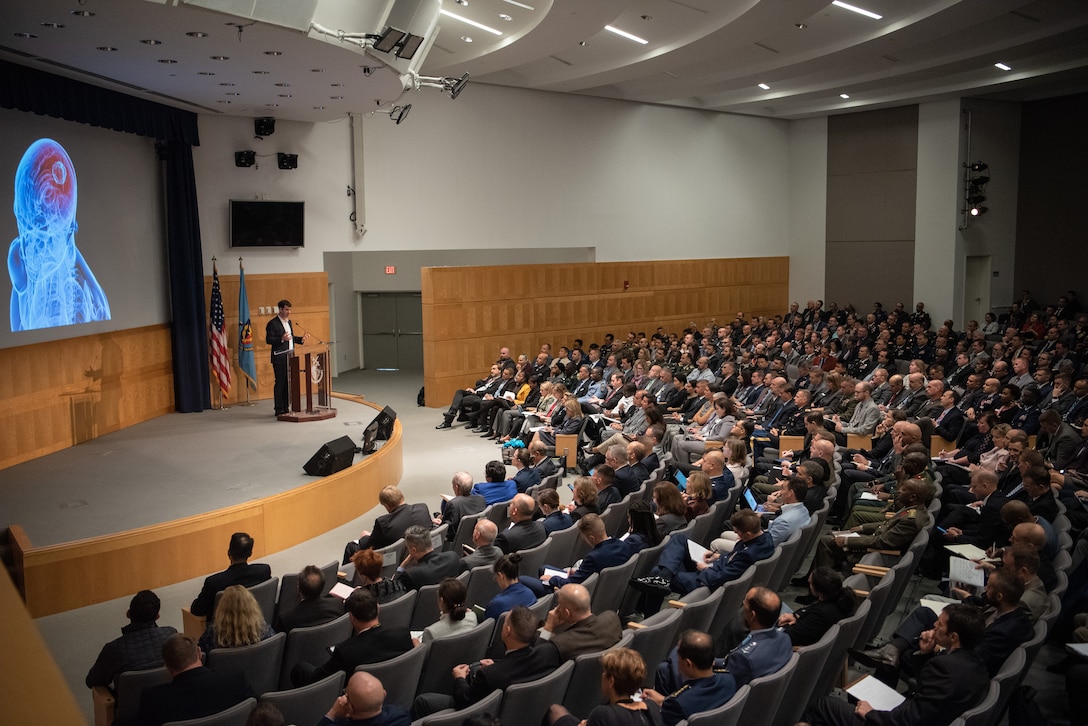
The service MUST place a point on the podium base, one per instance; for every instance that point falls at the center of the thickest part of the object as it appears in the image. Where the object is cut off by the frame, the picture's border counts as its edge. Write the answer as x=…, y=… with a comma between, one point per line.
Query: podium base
x=318, y=414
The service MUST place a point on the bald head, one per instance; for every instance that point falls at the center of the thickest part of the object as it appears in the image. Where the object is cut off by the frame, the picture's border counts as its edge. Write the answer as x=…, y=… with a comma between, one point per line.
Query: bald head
x=575, y=600
x=1029, y=533
x=522, y=507
x=713, y=462
x=485, y=532
x=365, y=696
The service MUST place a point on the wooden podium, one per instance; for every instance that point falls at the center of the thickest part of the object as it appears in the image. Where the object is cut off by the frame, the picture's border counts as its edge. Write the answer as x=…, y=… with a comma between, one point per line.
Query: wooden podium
x=309, y=372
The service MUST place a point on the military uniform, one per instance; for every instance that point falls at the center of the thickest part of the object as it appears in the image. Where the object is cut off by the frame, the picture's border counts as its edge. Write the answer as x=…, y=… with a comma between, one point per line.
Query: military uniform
x=894, y=533
x=697, y=695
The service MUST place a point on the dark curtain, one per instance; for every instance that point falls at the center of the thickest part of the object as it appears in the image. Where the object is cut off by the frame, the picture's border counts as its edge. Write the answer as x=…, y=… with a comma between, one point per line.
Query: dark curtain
x=26, y=89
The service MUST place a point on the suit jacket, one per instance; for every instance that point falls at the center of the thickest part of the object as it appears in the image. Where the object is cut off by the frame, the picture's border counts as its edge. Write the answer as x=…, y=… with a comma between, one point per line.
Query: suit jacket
x=950, y=426
x=273, y=335
x=763, y=652
x=556, y=521
x=370, y=646
x=866, y=416
x=485, y=555
x=316, y=611
x=697, y=695
x=431, y=569
x=1059, y=448
x=457, y=508
x=629, y=478
x=593, y=634
x=240, y=573
x=523, y=535
x=388, y=528
x=728, y=568
x=496, y=491
x=192, y=694
x=546, y=467
x=391, y=715
x=814, y=620
x=607, y=553
x=518, y=666
x=525, y=478
x=608, y=495
x=948, y=685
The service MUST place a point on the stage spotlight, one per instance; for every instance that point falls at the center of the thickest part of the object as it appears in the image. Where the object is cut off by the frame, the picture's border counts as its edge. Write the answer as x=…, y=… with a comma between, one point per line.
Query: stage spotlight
x=978, y=166
x=407, y=49
x=389, y=39
x=457, y=86
x=397, y=113
x=979, y=211
x=245, y=158
x=452, y=86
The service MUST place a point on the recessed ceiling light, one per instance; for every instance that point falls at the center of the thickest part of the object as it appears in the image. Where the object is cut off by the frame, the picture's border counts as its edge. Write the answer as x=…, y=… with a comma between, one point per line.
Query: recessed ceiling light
x=462, y=2
x=844, y=95
x=167, y=61
x=51, y=25
x=151, y=41
x=227, y=84
x=317, y=70
x=336, y=85
x=583, y=43
x=220, y=57
x=31, y=35
x=1002, y=66
x=520, y=5
x=764, y=86
x=647, y=17
x=232, y=93
x=259, y=73
x=222, y=101
x=473, y=23
x=205, y=73
x=82, y=13
x=283, y=85
x=625, y=34
x=504, y=16
x=319, y=108
x=336, y=98
x=271, y=105
x=197, y=34
x=284, y=95
x=273, y=52
x=106, y=48
x=856, y=9
x=800, y=26
x=466, y=38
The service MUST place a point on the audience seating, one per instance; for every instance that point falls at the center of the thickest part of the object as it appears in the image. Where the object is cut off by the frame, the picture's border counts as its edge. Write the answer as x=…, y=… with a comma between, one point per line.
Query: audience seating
x=725, y=715
x=399, y=675
x=766, y=695
x=310, y=645
x=287, y=600
x=654, y=637
x=233, y=716
x=811, y=662
x=534, y=558
x=481, y=586
x=529, y=702
x=306, y=705
x=612, y=584
x=264, y=593
x=983, y=713
x=836, y=661
x=465, y=528
x=125, y=705
x=698, y=608
x=392, y=555
x=259, y=663
x=398, y=613
x=584, y=691
x=444, y=653
x=449, y=717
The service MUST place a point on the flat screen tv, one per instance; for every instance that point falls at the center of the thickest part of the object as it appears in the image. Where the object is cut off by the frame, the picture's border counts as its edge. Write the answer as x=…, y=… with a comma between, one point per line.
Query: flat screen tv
x=259, y=223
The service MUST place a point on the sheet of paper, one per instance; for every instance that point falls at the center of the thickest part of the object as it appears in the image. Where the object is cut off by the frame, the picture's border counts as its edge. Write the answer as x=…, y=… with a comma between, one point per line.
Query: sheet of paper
x=965, y=571
x=969, y=551
x=879, y=696
x=551, y=572
x=869, y=496
x=417, y=634
x=341, y=590
x=696, y=551
x=845, y=533
x=1080, y=649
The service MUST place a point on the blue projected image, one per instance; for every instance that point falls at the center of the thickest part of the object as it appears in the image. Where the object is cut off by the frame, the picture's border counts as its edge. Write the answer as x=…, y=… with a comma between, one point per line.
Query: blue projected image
x=52, y=284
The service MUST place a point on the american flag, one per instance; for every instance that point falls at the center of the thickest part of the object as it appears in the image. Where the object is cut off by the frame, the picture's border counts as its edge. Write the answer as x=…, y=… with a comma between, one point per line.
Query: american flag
x=220, y=354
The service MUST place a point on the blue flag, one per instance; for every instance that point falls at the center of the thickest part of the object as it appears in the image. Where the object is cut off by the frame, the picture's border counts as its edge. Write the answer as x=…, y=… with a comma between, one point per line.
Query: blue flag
x=245, y=333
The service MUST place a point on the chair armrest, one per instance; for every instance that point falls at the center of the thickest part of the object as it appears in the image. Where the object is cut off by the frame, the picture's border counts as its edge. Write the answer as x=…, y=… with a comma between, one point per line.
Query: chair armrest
x=861, y=593
x=713, y=444
x=635, y=626
x=870, y=570
x=192, y=625
x=677, y=604
x=105, y=706
x=891, y=553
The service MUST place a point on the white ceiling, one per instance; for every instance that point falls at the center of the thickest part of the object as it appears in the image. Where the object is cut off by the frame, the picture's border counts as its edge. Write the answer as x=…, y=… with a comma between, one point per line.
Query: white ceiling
x=703, y=54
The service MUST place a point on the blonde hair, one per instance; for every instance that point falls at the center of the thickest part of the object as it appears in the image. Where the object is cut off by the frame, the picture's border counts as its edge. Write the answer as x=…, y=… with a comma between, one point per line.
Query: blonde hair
x=238, y=618
x=738, y=452
x=699, y=485
x=574, y=409
x=585, y=490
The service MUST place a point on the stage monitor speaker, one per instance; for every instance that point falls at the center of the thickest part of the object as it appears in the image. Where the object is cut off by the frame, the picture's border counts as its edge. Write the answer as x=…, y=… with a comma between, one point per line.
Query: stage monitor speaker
x=385, y=421
x=332, y=457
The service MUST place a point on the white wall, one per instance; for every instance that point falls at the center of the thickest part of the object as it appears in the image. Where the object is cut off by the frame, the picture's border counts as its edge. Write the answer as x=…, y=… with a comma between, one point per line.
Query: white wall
x=806, y=208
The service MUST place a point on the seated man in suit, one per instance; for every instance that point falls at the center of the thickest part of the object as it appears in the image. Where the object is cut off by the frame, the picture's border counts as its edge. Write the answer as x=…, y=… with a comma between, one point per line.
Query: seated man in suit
x=314, y=607
x=495, y=487
x=574, y=629
x=463, y=502
x=541, y=462
x=523, y=662
x=702, y=687
x=483, y=540
x=363, y=704
x=240, y=572
x=389, y=527
x=193, y=691
x=604, y=552
x=369, y=642
x=424, y=566
x=140, y=644
x=607, y=493
x=524, y=532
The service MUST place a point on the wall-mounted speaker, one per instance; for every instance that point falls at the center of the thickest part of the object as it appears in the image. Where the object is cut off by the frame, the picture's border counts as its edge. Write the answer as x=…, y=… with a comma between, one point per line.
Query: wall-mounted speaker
x=287, y=161
x=264, y=126
x=245, y=158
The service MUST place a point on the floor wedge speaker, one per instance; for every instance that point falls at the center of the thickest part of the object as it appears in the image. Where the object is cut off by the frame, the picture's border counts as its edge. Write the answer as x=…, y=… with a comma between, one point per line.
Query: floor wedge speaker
x=332, y=457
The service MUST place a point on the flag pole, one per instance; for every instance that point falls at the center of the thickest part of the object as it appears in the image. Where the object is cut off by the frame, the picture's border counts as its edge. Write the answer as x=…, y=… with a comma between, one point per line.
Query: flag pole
x=245, y=358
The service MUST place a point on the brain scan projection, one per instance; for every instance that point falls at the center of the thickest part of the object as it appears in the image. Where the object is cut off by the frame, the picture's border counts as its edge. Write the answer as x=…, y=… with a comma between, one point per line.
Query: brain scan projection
x=52, y=284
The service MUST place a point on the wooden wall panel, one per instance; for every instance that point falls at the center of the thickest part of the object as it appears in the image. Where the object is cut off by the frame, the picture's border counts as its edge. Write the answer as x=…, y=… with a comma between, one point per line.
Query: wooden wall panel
x=470, y=312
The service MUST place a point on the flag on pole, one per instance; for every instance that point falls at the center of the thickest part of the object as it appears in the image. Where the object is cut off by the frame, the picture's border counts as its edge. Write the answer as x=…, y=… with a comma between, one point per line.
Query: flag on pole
x=246, y=362
x=220, y=357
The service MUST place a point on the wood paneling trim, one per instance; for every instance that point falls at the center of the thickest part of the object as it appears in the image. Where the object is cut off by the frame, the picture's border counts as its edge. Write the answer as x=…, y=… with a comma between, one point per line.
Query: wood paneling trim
x=70, y=575
x=470, y=312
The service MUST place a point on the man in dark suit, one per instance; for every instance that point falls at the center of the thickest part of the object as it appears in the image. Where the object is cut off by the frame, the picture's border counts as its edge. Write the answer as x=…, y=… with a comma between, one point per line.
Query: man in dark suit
x=948, y=684
x=424, y=566
x=370, y=642
x=949, y=422
x=525, y=532
x=574, y=629
x=626, y=477
x=193, y=691
x=363, y=704
x=604, y=552
x=523, y=662
x=978, y=523
x=463, y=502
x=389, y=527
x=279, y=335
x=607, y=493
x=1037, y=493
x=483, y=539
x=314, y=607
x=240, y=572
x=541, y=462
x=1058, y=441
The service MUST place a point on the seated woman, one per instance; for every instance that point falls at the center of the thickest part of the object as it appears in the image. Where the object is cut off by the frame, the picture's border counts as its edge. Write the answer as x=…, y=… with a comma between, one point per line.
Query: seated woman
x=571, y=424
x=736, y=458
x=698, y=495
x=511, y=592
x=368, y=574
x=828, y=603
x=622, y=674
x=453, y=616
x=555, y=517
x=671, y=509
x=585, y=499
x=238, y=621
x=490, y=410
x=642, y=529
x=510, y=420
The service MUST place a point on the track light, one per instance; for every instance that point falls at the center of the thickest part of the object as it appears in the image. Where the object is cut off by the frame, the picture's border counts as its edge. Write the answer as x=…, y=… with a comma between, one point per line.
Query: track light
x=389, y=39
x=978, y=211
x=397, y=113
x=978, y=166
x=452, y=86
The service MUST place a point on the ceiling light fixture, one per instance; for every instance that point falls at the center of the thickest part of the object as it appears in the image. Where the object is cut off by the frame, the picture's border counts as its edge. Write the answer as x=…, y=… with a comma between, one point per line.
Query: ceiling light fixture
x=106, y=48
x=466, y=38
x=452, y=86
x=220, y=57
x=764, y=86
x=800, y=26
x=167, y=61
x=520, y=5
x=205, y=73
x=31, y=35
x=1002, y=66
x=473, y=23
x=151, y=41
x=82, y=13
x=273, y=52
x=197, y=34
x=397, y=113
x=844, y=95
x=625, y=34
x=54, y=26
x=504, y=16
x=856, y=9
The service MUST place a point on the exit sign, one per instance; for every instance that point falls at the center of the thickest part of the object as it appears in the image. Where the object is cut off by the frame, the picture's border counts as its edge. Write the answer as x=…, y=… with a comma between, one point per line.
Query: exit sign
x=390, y=269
